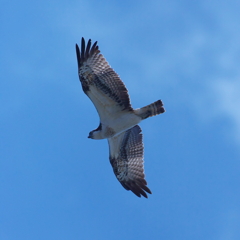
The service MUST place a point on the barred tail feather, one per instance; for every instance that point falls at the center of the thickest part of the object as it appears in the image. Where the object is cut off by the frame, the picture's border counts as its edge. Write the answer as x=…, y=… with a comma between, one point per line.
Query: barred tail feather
x=150, y=110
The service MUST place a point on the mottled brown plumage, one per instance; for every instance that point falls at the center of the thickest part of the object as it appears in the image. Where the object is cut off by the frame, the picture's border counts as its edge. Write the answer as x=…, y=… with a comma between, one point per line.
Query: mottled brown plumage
x=126, y=158
x=118, y=120
x=94, y=70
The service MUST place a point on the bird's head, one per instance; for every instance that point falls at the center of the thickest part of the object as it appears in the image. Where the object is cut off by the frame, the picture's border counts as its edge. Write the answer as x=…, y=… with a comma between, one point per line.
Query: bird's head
x=91, y=134
x=95, y=134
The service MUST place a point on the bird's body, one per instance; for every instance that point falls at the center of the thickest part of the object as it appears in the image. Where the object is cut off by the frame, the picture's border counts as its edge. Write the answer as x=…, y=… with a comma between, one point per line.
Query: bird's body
x=118, y=120
x=113, y=120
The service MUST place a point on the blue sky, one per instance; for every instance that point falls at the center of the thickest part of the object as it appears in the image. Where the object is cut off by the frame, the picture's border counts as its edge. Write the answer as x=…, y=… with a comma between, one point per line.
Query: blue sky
x=57, y=184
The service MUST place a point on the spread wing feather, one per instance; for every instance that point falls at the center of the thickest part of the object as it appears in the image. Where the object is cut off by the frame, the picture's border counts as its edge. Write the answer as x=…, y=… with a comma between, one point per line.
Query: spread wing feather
x=100, y=82
x=126, y=158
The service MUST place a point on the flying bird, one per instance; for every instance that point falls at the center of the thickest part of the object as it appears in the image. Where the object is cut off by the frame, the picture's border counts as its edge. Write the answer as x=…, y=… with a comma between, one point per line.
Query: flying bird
x=118, y=120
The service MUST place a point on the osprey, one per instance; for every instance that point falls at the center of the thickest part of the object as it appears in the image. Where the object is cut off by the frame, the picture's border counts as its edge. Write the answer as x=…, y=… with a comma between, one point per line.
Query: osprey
x=118, y=120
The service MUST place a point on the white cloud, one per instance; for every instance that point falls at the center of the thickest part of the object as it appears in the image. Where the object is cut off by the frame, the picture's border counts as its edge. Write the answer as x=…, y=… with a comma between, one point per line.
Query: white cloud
x=228, y=103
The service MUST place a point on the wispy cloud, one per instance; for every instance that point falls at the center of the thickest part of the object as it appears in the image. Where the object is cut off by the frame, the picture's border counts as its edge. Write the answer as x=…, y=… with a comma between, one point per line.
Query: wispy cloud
x=228, y=103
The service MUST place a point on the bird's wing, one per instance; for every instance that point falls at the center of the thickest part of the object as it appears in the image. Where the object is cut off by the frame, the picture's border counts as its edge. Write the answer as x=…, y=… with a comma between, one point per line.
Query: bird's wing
x=100, y=82
x=126, y=158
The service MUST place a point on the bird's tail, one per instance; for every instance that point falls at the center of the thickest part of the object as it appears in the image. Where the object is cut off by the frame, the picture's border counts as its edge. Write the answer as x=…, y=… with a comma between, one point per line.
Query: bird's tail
x=150, y=110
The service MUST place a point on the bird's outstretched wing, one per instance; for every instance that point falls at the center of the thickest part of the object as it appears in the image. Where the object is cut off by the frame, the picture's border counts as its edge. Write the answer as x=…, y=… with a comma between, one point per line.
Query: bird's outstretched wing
x=100, y=82
x=126, y=158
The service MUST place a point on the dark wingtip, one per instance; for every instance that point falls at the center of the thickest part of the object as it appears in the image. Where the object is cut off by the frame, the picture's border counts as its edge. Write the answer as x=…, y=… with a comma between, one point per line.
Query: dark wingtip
x=86, y=51
x=82, y=49
x=78, y=55
x=94, y=48
x=140, y=193
x=139, y=188
x=88, y=48
x=146, y=189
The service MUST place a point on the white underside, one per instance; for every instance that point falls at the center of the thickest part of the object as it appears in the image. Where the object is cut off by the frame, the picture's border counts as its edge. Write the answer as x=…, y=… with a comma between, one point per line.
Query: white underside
x=111, y=115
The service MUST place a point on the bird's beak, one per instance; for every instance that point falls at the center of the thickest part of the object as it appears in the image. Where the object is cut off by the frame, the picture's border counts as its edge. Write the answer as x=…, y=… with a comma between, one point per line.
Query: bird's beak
x=90, y=135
